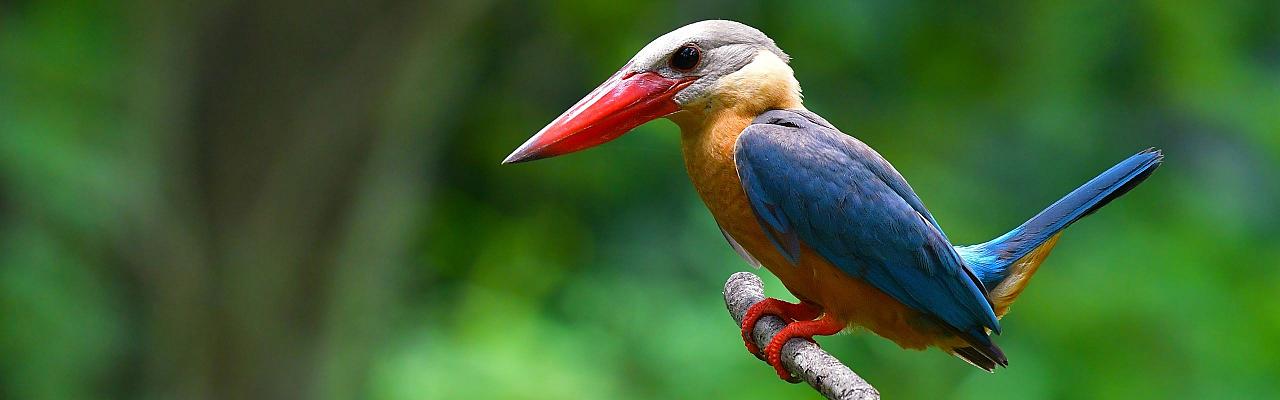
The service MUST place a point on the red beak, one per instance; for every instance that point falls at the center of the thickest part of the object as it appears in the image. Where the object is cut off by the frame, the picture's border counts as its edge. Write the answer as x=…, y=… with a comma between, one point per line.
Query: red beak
x=623, y=102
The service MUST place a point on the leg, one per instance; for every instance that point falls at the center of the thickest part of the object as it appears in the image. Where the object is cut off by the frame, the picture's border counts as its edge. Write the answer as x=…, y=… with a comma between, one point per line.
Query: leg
x=804, y=311
x=827, y=325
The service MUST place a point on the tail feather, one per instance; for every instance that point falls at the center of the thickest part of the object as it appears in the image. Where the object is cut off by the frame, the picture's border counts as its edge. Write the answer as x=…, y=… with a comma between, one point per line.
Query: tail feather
x=1004, y=264
x=972, y=356
x=980, y=351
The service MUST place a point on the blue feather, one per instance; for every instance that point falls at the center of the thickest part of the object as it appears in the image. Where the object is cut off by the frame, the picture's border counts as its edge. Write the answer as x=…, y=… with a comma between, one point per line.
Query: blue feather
x=991, y=260
x=809, y=182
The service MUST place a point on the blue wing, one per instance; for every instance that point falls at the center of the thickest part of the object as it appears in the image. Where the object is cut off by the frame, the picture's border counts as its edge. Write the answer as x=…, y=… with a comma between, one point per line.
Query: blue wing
x=809, y=183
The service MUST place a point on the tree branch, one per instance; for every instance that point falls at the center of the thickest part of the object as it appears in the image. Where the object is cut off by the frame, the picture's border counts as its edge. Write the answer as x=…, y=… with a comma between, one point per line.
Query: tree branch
x=803, y=358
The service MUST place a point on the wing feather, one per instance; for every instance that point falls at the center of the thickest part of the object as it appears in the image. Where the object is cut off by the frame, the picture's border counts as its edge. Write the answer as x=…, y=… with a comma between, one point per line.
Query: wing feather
x=810, y=183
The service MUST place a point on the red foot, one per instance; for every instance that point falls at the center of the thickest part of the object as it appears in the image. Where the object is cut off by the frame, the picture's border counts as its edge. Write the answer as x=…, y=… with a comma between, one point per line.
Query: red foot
x=789, y=312
x=827, y=325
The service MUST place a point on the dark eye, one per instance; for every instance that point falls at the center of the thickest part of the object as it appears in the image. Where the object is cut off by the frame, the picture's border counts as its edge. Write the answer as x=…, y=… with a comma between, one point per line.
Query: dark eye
x=686, y=57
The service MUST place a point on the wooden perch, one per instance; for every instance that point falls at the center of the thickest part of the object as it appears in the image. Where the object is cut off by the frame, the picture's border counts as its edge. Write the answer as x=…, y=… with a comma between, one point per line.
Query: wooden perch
x=804, y=359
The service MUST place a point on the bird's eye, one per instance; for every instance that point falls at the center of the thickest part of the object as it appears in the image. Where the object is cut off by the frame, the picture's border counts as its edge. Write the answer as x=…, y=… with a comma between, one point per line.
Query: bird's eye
x=686, y=57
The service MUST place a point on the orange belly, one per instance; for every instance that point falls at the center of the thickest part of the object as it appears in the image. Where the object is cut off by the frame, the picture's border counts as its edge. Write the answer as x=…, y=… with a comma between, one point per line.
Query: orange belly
x=709, y=161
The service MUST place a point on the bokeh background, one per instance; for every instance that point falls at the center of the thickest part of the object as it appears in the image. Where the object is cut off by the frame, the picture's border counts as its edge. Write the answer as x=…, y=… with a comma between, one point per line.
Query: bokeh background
x=239, y=199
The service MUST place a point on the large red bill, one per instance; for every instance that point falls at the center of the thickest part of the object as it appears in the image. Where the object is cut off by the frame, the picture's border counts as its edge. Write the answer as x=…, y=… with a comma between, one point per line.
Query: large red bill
x=624, y=101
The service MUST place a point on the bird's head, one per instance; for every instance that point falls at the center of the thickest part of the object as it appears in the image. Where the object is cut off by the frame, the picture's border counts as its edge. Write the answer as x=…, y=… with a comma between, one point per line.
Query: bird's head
x=684, y=75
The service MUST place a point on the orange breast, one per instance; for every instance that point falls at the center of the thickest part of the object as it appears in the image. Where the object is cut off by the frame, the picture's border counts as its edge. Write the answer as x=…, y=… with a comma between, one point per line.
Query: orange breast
x=708, y=154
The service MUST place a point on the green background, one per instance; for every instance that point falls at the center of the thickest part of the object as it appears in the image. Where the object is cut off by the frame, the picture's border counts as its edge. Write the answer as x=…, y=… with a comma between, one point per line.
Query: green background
x=299, y=199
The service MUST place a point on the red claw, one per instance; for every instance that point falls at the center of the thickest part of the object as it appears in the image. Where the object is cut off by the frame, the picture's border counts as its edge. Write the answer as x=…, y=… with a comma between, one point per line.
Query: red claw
x=804, y=311
x=827, y=325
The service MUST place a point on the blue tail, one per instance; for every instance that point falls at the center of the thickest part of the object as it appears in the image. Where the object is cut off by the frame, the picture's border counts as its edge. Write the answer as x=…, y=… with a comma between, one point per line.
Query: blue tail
x=997, y=260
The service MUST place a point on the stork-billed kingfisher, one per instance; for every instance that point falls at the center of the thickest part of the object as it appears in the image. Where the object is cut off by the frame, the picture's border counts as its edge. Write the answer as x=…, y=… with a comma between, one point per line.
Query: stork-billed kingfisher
x=820, y=209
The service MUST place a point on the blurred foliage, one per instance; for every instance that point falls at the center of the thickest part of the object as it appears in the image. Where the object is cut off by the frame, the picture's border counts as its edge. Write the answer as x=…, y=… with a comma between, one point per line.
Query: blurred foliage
x=282, y=199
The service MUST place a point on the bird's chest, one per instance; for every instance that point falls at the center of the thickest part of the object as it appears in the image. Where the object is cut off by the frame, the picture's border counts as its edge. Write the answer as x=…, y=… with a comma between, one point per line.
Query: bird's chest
x=715, y=176
x=708, y=156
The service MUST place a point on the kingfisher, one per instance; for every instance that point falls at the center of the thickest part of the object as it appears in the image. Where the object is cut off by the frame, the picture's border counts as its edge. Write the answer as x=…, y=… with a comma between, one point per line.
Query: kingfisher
x=821, y=210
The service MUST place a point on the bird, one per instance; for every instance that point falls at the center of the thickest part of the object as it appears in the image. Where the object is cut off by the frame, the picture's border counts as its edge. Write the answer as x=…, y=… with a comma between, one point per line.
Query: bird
x=824, y=212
